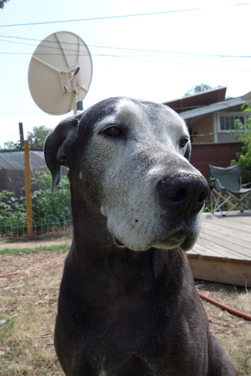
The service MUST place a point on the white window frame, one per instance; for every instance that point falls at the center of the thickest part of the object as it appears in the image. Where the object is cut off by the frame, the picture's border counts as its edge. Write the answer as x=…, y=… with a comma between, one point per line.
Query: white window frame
x=231, y=115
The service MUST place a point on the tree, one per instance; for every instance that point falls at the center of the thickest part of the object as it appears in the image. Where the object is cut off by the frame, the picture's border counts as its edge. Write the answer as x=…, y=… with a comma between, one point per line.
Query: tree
x=2, y=3
x=11, y=146
x=199, y=88
x=242, y=133
x=37, y=137
x=36, y=140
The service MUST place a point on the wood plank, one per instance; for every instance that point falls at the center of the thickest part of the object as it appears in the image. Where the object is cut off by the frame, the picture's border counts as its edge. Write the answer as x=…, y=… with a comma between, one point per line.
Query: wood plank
x=221, y=251
x=235, y=241
x=236, y=236
x=233, y=272
x=206, y=248
x=211, y=236
x=193, y=251
x=227, y=242
x=28, y=189
x=201, y=250
x=237, y=217
x=228, y=223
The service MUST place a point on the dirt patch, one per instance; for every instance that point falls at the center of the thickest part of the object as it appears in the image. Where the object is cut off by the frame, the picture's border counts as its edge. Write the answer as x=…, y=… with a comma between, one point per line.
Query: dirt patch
x=28, y=304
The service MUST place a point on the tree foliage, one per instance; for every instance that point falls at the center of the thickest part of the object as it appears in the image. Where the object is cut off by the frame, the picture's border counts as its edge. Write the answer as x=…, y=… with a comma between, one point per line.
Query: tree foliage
x=11, y=146
x=36, y=140
x=200, y=88
x=2, y=3
x=37, y=137
x=242, y=133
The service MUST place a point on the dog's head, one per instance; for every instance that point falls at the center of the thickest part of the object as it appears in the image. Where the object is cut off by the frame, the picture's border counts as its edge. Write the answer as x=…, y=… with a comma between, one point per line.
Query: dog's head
x=129, y=161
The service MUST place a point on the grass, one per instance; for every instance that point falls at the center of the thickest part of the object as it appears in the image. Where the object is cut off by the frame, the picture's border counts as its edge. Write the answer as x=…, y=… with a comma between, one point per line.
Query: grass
x=233, y=332
x=28, y=310
x=238, y=348
x=52, y=248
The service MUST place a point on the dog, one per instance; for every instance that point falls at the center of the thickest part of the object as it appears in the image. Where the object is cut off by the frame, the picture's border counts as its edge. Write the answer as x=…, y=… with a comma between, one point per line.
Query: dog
x=127, y=304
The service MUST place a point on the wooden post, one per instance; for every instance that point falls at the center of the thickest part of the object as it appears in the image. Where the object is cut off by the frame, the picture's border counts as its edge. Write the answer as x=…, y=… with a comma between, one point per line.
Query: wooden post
x=28, y=188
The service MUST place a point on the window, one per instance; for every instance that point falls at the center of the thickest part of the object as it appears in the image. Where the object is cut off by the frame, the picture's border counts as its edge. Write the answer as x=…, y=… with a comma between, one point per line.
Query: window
x=227, y=121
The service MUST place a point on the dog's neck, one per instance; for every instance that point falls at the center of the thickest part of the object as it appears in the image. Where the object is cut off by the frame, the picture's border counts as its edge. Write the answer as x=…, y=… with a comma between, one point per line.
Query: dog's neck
x=90, y=226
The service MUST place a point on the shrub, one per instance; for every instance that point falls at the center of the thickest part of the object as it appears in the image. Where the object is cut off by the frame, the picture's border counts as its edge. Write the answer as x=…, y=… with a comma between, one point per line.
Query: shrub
x=45, y=203
x=47, y=207
x=242, y=133
x=12, y=213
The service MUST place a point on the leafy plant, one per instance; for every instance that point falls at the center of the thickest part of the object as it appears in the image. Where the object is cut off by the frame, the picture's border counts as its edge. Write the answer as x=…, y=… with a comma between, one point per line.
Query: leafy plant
x=12, y=213
x=242, y=133
x=46, y=204
x=48, y=208
x=37, y=137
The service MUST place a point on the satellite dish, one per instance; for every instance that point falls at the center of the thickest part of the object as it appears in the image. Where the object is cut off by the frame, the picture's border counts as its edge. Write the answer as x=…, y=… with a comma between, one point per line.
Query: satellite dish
x=60, y=73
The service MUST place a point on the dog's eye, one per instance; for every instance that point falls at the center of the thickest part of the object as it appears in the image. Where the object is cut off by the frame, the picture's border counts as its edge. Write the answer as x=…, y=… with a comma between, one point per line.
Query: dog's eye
x=183, y=142
x=113, y=131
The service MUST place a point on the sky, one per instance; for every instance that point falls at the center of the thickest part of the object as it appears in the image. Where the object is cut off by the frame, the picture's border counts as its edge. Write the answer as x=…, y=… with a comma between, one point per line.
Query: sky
x=152, y=50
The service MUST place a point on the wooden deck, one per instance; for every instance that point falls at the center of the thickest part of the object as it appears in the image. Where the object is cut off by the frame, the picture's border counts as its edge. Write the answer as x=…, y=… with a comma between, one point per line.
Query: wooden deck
x=222, y=252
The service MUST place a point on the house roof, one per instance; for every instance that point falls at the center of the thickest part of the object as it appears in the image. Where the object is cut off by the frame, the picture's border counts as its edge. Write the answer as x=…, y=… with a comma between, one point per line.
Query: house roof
x=220, y=106
x=201, y=99
x=205, y=103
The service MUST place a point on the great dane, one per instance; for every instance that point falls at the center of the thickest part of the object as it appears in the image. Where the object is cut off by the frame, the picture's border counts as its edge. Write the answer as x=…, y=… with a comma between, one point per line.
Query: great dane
x=128, y=305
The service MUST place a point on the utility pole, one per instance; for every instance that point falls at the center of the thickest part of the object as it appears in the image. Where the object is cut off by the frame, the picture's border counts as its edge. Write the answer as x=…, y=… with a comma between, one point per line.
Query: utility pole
x=21, y=132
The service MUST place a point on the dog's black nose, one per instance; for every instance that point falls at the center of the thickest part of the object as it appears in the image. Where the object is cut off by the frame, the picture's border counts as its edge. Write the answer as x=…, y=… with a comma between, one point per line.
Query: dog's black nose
x=183, y=192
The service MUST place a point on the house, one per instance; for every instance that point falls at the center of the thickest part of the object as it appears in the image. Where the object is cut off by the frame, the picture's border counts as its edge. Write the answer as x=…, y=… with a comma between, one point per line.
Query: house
x=210, y=117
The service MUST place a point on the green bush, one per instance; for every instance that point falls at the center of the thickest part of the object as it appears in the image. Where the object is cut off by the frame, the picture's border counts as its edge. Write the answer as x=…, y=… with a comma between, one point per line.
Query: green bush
x=242, y=133
x=47, y=207
x=47, y=204
x=12, y=213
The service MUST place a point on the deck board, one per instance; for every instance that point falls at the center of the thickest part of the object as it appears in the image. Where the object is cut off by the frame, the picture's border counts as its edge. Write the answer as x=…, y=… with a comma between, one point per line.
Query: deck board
x=238, y=250
x=235, y=235
x=222, y=252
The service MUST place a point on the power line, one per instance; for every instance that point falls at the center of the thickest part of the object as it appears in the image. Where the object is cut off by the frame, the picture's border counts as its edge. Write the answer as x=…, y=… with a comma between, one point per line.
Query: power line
x=113, y=17
x=182, y=54
x=145, y=58
x=137, y=58
x=105, y=18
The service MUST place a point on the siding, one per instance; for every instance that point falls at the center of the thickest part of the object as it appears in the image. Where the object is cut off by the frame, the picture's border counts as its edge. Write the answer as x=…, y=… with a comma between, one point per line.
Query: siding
x=202, y=131
x=215, y=154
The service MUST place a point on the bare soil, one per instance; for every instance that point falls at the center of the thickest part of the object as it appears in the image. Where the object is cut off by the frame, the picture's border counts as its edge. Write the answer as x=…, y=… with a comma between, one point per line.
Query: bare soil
x=28, y=304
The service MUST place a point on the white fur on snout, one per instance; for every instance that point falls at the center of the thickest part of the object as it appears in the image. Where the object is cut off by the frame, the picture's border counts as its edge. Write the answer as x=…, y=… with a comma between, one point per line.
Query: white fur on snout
x=131, y=166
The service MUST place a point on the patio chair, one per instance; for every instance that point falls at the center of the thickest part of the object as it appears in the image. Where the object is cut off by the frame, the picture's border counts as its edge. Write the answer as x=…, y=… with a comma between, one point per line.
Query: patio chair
x=226, y=188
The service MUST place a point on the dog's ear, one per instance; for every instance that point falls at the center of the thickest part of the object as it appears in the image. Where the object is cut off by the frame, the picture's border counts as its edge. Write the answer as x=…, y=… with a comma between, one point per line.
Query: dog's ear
x=54, y=146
